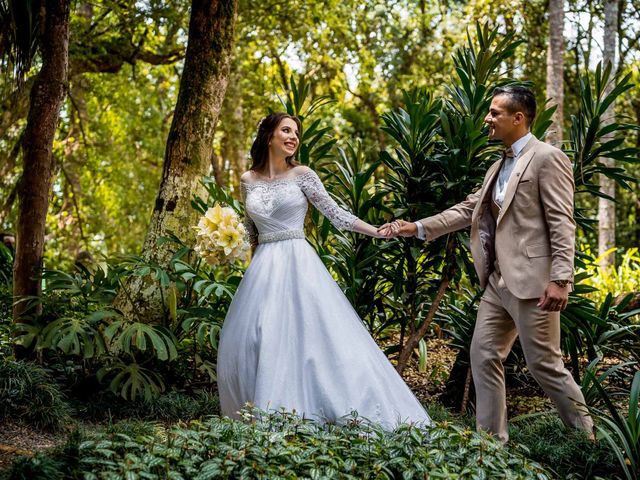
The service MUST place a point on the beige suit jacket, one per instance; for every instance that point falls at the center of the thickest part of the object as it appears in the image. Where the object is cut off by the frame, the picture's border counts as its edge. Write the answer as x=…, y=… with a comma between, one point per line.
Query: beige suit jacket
x=534, y=236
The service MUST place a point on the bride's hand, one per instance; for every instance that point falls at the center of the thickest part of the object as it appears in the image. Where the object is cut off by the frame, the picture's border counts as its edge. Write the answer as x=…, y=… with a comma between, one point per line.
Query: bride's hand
x=387, y=230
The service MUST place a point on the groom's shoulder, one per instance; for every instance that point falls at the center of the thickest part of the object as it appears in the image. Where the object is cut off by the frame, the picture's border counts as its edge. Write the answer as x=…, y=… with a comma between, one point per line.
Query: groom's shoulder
x=546, y=148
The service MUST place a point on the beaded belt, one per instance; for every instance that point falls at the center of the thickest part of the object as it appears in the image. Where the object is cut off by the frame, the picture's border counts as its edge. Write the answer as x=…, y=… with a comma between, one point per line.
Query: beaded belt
x=278, y=236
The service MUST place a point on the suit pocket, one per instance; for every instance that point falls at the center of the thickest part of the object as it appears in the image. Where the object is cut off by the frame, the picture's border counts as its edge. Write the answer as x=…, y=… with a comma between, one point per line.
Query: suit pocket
x=525, y=194
x=539, y=250
x=524, y=186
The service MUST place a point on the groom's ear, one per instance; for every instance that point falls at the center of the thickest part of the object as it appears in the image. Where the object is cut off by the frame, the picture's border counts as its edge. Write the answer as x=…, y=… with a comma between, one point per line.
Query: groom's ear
x=519, y=118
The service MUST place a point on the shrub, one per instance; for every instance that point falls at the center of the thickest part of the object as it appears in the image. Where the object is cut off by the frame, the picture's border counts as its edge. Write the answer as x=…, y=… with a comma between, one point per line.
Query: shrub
x=180, y=406
x=568, y=452
x=6, y=320
x=285, y=446
x=29, y=394
x=168, y=407
x=615, y=280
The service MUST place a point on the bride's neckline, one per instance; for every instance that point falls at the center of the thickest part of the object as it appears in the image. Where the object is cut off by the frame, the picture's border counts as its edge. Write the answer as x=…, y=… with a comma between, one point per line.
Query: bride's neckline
x=261, y=179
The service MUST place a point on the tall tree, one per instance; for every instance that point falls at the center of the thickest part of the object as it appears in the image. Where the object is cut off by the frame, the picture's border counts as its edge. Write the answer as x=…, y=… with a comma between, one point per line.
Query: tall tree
x=47, y=95
x=606, y=206
x=555, y=68
x=189, y=146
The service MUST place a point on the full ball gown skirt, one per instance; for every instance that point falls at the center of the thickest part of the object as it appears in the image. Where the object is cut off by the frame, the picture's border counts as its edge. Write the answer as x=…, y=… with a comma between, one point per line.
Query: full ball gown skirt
x=291, y=339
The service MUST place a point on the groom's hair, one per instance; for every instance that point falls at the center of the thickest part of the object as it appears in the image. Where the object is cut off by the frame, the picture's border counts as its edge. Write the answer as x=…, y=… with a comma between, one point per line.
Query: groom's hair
x=521, y=99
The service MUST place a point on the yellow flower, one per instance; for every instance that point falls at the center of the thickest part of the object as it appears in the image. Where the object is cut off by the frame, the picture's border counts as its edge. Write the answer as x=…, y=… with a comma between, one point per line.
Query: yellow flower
x=214, y=214
x=228, y=239
x=221, y=236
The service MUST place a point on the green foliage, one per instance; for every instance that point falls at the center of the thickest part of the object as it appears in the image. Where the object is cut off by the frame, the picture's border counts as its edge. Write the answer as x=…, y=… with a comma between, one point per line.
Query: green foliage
x=591, y=138
x=593, y=331
x=595, y=377
x=39, y=467
x=176, y=406
x=29, y=394
x=6, y=265
x=620, y=431
x=279, y=445
x=6, y=320
x=616, y=280
x=135, y=358
x=567, y=452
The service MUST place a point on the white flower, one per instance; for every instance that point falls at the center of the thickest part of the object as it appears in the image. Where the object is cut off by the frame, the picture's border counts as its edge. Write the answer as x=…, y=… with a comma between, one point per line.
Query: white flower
x=221, y=236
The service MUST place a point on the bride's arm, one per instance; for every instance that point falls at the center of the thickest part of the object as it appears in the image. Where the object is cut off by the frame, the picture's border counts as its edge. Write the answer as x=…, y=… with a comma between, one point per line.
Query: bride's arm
x=363, y=227
x=250, y=227
x=314, y=190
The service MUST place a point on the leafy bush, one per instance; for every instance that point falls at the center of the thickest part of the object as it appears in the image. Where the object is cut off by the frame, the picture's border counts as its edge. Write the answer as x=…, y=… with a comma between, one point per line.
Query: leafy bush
x=6, y=265
x=620, y=431
x=28, y=393
x=179, y=406
x=6, y=320
x=614, y=280
x=133, y=358
x=284, y=446
x=568, y=452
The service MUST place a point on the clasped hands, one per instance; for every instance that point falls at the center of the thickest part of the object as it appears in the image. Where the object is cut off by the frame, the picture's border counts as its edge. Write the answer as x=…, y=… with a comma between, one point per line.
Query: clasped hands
x=398, y=228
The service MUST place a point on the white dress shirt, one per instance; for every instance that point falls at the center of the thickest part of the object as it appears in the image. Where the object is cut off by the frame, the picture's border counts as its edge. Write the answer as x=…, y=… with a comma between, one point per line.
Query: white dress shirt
x=500, y=187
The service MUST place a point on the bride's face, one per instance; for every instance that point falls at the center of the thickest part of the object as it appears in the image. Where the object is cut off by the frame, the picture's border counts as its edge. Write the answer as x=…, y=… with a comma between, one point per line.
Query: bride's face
x=285, y=139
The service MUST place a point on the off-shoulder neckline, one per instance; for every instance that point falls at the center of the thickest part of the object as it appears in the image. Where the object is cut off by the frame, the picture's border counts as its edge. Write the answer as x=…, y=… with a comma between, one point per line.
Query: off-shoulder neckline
x=277, y=180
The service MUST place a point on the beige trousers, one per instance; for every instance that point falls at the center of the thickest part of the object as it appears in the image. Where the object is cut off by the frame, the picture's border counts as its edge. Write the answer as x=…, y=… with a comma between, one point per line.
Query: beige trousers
x=501, y=318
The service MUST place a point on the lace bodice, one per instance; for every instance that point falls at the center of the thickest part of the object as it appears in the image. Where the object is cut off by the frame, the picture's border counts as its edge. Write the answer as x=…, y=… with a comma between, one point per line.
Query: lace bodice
x=276, y=209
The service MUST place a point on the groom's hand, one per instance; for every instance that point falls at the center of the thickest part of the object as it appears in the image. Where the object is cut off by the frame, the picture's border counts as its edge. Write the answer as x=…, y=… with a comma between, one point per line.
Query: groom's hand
x=403, y=228
x=554, y=298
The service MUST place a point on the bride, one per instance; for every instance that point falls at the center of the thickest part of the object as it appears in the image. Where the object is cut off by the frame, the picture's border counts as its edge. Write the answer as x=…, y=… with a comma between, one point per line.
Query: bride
x=291, y=339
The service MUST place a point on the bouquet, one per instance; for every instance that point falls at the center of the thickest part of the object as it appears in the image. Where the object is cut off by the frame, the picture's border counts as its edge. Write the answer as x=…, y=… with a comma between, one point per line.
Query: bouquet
x=221, y=236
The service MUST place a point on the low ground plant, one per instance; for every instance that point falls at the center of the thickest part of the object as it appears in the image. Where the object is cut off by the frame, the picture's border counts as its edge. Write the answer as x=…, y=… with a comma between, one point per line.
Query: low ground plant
x=278, y=445
x=29, y=394
x=567, y=452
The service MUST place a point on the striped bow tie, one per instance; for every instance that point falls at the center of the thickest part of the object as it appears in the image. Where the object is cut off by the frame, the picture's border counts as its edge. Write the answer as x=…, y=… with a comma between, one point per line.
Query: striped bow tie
x=508, y=153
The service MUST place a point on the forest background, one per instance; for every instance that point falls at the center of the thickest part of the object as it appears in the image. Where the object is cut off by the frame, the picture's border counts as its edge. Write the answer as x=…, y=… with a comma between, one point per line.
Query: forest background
x=125, y=65
x=158, y=105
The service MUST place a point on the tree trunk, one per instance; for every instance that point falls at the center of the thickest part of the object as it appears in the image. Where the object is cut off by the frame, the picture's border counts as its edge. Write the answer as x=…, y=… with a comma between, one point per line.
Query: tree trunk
x=189, y=147
x=416, y=336
x=555, y=69
x=47, y=95
x=607, y=208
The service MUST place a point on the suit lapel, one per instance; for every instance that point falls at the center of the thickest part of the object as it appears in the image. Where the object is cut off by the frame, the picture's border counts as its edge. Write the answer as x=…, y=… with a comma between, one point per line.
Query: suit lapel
x=528, y=152
x=487, y=186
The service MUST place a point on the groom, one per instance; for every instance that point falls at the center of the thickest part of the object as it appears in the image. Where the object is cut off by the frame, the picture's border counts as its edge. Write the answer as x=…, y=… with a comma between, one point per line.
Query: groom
x=522, y=242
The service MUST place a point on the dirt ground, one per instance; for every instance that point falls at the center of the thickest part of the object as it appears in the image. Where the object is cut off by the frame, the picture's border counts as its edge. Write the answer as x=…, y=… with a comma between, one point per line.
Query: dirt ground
x=17, y=440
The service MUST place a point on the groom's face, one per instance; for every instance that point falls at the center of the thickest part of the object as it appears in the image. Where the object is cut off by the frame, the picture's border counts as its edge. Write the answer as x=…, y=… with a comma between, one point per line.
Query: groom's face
x=501, y=121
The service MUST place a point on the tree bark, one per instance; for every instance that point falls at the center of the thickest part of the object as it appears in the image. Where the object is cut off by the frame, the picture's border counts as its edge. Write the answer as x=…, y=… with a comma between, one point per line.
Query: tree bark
x=416, y=336
x=47, y=95
x=607, y=208
x=555, y=69
x=189, y=147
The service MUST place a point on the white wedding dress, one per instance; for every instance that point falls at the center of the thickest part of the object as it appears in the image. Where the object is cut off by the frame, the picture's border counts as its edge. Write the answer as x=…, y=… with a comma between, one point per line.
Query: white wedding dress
x=291, y=339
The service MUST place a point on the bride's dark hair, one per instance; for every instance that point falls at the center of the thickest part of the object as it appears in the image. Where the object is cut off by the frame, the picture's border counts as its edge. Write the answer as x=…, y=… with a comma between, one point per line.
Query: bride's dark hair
x=260, y=147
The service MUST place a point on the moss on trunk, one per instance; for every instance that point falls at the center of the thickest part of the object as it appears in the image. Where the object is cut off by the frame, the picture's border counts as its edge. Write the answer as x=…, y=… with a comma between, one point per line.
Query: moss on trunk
x=189, y=145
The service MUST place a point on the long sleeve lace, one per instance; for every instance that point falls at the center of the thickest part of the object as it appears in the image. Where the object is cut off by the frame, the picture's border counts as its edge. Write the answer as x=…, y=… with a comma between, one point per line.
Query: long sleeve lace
x=252, y=231
x=313, y=189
